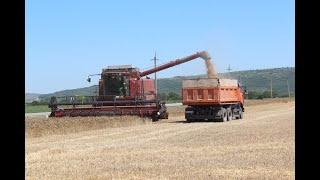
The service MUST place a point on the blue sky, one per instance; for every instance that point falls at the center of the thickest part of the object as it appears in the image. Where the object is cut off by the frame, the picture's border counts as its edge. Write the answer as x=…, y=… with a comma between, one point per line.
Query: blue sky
x=67, y=40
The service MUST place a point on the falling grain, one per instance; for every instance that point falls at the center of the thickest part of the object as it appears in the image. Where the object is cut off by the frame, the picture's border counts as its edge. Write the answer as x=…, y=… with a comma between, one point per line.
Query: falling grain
x=210, y=69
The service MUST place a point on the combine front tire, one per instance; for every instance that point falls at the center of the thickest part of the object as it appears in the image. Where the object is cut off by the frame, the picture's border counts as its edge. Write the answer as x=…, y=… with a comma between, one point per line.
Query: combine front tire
x=155, y=118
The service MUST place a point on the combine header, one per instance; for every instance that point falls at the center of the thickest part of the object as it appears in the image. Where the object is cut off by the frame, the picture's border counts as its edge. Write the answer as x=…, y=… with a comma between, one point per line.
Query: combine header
x=122, y=91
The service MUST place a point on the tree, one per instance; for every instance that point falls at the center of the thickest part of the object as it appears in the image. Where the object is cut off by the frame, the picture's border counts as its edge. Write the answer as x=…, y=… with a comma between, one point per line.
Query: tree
x=260, y=96
x=162, y=96
x=174, y=96
x=254, y=95
x=267, y=94
x=35, y=103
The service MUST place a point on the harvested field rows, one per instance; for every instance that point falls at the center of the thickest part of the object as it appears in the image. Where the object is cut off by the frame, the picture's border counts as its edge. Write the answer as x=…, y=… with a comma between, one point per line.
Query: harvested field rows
x=260, y=146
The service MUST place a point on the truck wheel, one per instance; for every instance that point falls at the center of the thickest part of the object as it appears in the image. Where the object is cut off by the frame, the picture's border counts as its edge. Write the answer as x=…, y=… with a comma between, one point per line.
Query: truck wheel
x=237, y=115
x=224, y=115
x=230, y=115
x=240, y=114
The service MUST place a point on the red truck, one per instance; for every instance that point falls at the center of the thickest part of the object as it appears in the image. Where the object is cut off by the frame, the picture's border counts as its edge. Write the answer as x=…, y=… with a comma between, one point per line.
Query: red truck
x=212, y=99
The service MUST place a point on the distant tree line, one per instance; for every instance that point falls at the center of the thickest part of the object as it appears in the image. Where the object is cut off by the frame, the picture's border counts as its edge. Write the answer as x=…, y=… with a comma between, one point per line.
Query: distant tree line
x=66, y=99
x=171, y=96
x=36, y=103
x=265, y=94
x=251, y=95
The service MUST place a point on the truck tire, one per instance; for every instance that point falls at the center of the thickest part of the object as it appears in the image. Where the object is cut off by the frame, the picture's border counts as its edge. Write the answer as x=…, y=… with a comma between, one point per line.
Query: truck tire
x=240, y=114
x=224, y=117
x=230, y=114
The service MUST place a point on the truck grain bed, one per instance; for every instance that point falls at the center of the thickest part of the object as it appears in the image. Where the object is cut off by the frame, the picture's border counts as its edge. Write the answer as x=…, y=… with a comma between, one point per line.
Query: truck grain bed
x=210, y=91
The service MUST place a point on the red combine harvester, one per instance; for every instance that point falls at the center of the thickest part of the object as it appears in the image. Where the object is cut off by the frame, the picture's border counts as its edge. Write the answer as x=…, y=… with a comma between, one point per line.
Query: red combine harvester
x=122, y=91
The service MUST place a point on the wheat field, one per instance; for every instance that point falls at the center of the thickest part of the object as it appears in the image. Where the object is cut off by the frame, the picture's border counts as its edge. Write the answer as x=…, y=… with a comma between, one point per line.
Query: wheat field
x=261, y=146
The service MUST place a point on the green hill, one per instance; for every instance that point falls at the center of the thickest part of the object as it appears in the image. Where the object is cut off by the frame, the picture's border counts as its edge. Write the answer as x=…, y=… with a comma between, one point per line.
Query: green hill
x=29, y=97
x=254, y=80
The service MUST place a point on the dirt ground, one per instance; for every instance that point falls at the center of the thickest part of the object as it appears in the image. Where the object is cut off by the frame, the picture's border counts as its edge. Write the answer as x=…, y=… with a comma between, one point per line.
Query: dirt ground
x=261, y=146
